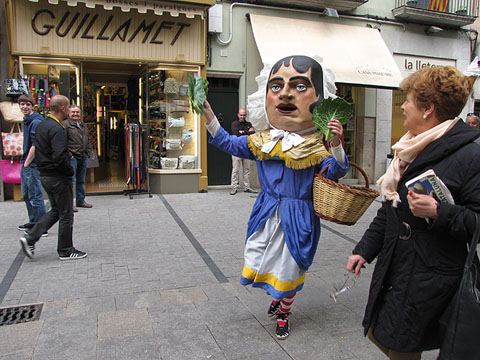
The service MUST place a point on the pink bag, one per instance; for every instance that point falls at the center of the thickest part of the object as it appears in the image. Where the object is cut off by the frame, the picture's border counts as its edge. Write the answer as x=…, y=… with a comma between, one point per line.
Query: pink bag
x=10, y=171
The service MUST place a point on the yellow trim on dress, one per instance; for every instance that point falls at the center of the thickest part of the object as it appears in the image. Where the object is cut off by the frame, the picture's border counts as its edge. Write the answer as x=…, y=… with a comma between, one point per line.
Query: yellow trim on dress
x=309, y=153
x=270, y=279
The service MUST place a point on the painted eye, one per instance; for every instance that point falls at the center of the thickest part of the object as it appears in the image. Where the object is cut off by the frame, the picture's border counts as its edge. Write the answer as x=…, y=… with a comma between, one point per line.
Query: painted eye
x=275, y=88
x=301, y=87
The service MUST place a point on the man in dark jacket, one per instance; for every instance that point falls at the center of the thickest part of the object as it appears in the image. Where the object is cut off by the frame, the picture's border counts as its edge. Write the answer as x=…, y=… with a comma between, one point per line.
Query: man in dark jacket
x=241, y=127
x=30, y=177
x=56, y=176
x=79, y=149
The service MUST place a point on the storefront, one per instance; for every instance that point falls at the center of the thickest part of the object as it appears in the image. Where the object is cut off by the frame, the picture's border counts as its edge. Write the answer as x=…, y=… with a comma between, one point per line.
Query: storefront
x=123, y=63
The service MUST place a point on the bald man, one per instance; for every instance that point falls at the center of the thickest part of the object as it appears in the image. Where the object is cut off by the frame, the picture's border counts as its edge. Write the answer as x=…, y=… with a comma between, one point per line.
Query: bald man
x=473, y=120
x=53, y=163
x=241, y=127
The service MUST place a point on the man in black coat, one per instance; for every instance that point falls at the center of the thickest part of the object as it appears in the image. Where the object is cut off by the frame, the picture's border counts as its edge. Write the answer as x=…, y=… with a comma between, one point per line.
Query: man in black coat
x=56, y=176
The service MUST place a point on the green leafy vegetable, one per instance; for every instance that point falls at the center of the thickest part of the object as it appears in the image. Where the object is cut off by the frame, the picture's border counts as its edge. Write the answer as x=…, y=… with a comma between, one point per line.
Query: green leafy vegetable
x=329, y=109
x=197, y=91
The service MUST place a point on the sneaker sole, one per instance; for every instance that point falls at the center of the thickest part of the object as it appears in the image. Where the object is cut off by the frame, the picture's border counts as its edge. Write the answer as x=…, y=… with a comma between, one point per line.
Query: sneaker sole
x=43, y=235
x=25, y=248
x=66, y=258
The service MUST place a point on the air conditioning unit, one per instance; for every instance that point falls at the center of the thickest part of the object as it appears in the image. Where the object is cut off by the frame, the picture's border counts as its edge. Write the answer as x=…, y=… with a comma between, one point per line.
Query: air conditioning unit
x=215, y=19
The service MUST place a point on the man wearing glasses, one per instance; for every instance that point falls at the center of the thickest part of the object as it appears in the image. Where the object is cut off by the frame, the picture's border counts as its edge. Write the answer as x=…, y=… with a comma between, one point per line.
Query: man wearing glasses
x=473, y=120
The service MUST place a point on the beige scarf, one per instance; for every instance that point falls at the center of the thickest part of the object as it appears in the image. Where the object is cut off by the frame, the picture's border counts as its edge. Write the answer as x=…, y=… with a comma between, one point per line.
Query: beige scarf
x=406, y=150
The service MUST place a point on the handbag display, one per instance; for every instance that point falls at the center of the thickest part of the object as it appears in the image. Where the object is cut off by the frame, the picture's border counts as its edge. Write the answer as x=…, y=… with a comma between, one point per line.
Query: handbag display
x=11, y=111
x=174, y=144
x=459, y=322
x=176, y=122
x=170, y=86
x=16, y=86
x=10, y=171
x=12, y=143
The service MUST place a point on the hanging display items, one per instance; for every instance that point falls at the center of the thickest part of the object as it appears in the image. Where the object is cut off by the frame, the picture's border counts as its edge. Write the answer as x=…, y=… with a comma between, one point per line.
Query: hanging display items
x=171, y=121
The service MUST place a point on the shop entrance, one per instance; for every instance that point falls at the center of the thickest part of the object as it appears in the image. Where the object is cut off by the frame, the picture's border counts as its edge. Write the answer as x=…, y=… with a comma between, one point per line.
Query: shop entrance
x=111, y=99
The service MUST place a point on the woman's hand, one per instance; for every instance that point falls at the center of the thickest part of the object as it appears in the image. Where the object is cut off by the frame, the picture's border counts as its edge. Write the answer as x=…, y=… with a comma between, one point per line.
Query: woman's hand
x=423, y=206
x=208, y=112
x=336, y=128
x=355, y=263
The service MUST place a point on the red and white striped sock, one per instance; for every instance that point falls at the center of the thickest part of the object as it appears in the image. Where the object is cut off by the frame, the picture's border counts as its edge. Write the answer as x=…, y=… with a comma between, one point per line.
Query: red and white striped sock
x=285, y=307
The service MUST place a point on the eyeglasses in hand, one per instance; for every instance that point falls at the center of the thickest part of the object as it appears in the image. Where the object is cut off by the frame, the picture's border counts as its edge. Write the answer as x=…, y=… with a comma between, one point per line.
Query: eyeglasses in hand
x=348, y=283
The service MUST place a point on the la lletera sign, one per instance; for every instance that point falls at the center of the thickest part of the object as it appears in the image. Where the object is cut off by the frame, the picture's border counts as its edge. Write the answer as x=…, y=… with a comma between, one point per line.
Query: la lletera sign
x=62, y=30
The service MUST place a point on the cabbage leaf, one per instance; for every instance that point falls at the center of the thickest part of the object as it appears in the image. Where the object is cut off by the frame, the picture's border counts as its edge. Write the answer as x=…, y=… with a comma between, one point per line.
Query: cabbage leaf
x=197, y=91
x=329, y=109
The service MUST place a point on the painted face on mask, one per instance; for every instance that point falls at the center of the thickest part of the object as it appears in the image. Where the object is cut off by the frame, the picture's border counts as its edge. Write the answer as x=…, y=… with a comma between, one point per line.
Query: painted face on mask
x=289, y=96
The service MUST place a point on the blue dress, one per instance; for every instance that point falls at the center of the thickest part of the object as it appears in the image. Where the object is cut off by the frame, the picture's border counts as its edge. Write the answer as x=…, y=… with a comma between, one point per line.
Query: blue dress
x=283, y=230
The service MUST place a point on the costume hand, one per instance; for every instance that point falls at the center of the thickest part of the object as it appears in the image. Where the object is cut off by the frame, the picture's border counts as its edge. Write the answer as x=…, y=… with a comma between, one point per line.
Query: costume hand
x=355, y=262
x=336, y=128
x=423, y=206
x=208, y=112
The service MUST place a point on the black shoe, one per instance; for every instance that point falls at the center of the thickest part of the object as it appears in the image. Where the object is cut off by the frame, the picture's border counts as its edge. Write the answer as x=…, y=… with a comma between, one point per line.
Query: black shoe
x=251, y=191
x=26, y=247
x=74, y=255
x=273, y=309
x=26, y=226
x=283, y=330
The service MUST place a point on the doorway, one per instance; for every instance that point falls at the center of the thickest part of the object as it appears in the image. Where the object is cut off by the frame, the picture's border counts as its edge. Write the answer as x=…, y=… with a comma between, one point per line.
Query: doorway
x=111, y=99
x=223, y=96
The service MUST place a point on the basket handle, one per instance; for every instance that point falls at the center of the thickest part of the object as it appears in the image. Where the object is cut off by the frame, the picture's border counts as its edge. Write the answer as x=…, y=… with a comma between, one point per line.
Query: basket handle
x=367, y=183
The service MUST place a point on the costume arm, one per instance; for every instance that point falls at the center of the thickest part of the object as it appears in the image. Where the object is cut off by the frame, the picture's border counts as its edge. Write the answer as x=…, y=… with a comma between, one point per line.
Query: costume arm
x=234, y=145
x=372, y=241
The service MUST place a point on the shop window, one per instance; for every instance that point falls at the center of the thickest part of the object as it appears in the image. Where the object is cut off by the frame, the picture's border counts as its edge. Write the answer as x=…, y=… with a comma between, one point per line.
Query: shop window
x=47, y=80
x=349, y=130
x=399, y=97
x=173, y=124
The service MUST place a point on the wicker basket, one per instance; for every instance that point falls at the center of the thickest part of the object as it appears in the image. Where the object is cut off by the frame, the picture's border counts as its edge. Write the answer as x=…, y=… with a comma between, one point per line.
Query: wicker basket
x=340, y=203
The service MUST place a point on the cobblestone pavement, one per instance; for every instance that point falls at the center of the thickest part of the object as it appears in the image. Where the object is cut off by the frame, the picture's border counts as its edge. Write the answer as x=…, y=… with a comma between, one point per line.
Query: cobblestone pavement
x=161, y=281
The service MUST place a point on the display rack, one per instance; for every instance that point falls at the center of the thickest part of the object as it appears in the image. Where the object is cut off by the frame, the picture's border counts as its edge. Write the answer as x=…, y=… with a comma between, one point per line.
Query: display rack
x=136, y=140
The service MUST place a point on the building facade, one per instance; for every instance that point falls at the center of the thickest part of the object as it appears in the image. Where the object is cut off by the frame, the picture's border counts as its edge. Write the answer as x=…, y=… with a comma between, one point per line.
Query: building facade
x=370, y=46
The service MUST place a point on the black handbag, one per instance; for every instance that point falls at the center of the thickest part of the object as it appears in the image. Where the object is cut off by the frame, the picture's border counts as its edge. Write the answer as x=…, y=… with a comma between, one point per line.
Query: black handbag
x=461, y=320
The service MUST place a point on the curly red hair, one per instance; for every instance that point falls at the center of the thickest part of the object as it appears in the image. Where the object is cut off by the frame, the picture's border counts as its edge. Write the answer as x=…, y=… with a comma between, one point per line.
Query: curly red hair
x=444, y=86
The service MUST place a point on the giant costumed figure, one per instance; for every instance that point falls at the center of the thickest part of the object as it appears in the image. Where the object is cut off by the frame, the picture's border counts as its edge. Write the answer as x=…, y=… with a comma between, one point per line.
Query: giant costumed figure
x=283, y=230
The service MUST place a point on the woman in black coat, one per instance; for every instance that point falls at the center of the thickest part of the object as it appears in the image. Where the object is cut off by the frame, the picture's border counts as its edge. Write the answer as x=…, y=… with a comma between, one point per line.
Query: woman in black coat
x=420, y=242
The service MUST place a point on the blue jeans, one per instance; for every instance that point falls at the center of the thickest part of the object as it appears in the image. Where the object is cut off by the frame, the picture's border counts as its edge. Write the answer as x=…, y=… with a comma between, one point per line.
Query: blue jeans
x=32, y=193
x=79, y=171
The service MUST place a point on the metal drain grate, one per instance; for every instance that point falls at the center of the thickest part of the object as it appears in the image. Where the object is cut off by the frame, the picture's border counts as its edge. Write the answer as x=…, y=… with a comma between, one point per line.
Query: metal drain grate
x=20, y=314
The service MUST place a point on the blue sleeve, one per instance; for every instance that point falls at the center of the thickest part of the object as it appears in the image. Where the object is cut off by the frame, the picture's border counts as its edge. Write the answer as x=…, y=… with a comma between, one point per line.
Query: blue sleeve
x=335, y=170
x=33, y=130
x=231, y=144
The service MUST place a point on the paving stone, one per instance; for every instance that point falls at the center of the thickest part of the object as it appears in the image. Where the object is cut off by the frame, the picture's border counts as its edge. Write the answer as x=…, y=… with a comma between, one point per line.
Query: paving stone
x=140, y=300
x=124, y=323
x=183, y=295
x=19, y=339
x=67, y=338
x=128, y=348
x=92, y=305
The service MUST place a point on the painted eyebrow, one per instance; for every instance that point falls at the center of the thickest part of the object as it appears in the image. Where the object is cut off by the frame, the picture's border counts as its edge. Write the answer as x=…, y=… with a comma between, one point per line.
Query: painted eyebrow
x=304, y=78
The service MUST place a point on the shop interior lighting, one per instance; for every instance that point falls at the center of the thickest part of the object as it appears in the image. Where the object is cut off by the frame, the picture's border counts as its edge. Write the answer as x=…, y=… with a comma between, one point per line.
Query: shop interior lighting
x=432, y=30
x=99, y=111
x=77, y=79
x=140, y=102
x=330, y=12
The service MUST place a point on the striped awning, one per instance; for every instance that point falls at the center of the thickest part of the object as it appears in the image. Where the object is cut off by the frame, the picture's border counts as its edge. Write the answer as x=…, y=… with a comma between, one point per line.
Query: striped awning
x=174, y=9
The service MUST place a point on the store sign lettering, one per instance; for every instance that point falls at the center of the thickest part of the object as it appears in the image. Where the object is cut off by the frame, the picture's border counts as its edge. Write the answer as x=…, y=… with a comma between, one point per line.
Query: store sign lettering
x=83, y=26
x=417, y=65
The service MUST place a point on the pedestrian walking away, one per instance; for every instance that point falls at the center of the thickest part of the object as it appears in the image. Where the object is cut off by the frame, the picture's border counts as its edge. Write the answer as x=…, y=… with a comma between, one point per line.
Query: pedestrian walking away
x=420, y=241
x=31, y=186
x=241, y=127
x=56, y=177
x=79, y=150
x=283, y=230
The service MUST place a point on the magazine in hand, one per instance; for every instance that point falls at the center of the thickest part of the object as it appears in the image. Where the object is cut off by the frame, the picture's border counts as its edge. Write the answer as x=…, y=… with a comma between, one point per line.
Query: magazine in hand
x=429, y=183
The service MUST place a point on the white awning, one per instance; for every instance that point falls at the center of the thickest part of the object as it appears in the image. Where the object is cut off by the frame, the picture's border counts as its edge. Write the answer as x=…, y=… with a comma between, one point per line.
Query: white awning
x=157, y=7
x=356, y=55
